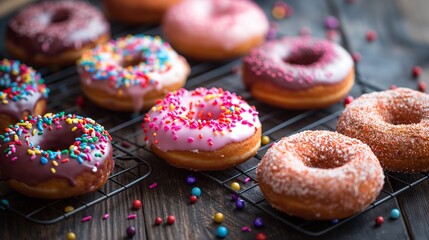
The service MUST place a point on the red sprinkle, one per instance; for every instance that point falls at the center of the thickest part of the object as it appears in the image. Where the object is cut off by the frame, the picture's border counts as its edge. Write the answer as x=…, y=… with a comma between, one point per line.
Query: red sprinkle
x=348, y=100
x=137, y=204
x=422, y=86
x=171, y=219
x=379, y=220
x=392, y=87
x=193, y=199
x=86, y=219
x=416, y=71
x=261, y=236
x=371, y=35
x=158, y=221
x=356, y=57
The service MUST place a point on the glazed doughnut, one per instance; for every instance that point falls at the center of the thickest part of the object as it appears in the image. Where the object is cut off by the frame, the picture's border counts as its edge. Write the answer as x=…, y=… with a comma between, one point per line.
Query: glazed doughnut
x=22, y=93
x=138, y=11
x=131, y=73
x=395, y=124
x=203, y=129
x=55, y=33
x=56, y=156
x=215, y=29
x=320, y=175
x=299, y=73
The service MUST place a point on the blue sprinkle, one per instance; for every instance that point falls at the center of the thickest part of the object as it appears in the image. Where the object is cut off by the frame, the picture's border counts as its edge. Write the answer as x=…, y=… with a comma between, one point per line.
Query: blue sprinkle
x=4, y=202
x=44, y=160
x=40, y=126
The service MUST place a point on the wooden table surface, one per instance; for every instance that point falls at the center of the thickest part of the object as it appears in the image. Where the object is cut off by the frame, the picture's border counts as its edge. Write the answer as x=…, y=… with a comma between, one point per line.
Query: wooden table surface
x=402, y=28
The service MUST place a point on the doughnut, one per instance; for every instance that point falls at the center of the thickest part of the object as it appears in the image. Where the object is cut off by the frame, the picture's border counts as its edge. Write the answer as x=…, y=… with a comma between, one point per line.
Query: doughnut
x=298, y=73
x=55, y=156
x=55, y=33
x=137, y=11
x=320, y=175
x=215, y=29
x=131, y=73
x=395, y=124
x=22, y=93
x=203, y=129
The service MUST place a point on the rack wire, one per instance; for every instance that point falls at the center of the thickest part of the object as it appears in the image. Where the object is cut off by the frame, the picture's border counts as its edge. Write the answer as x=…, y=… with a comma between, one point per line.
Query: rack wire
x=130, y=151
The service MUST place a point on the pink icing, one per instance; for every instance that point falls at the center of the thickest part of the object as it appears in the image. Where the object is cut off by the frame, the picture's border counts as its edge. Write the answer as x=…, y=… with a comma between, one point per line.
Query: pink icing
x=298, y=63
x=199, y=120
x=217, y=22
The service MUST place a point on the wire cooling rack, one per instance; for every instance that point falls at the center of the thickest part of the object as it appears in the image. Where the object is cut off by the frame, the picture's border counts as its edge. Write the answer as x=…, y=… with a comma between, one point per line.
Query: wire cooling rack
x=131, y=167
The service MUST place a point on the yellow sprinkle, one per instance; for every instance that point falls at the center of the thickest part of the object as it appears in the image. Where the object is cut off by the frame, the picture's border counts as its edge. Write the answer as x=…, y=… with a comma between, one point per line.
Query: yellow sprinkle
x=154, y=134
x=68, y=209
x=37, y=151
x=74, y=128
x=53, y=170
x=159, y=108
x=215, y=133
x=153, y=108
x=265, y=140
x=5, y=102
x=33, y=132
x=3, y=96
x=16, y=138
x=71, y=236
x=30, y=152
x=172, y=107
x=29, y=126
x=218, y=217
x=47, y=115
x=222, y=133
x=69, y=121
x=55, y=163
x=235, y=186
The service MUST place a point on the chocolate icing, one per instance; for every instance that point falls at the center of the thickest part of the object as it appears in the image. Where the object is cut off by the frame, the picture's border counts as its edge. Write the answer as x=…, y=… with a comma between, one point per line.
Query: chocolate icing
x=50, y=28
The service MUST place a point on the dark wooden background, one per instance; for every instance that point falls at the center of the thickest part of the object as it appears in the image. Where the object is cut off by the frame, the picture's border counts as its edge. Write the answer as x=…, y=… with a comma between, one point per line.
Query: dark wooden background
x=403, y=41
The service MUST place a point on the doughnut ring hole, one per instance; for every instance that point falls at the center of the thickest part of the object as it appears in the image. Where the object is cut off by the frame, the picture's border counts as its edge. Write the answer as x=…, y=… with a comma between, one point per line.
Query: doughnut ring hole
x=304, y=57
x=61, y=15
x=401, y=113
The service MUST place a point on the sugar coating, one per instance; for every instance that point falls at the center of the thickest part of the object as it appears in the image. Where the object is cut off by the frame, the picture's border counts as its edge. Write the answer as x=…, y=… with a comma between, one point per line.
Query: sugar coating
x=337, y=171
x=199, y=120
x=394, y=123
x=298, y=63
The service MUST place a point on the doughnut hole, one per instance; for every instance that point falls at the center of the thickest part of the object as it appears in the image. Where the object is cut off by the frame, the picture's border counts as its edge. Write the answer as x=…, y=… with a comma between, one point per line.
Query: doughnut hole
x=330, y=156
x=402, y=113
x=57, y=139
x=304, y=57
x=60, y=16
x=206, y=112
x=132, y=61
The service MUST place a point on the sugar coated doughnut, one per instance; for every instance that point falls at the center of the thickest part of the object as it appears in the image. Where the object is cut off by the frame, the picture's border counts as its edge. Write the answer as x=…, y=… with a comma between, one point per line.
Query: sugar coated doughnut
x=320, y=175
x=138, y=11
x=215, y=29
x=395, y=124
x=55, y=156
x=299, y=73
x=131, y=73
x=203, y=129
x=22, y=92
x=55, y=32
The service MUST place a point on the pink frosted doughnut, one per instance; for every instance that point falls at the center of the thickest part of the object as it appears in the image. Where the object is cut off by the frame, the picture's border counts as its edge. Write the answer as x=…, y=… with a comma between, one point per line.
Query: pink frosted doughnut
x=299, y=72
x=320, y=175
x=203, y=129
x=215, y=29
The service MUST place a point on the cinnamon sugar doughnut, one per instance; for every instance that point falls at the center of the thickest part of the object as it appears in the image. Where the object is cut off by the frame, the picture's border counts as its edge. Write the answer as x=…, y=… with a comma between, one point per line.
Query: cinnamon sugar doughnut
x=320, y=175
x=299, y=73
x=56, y=156
x=215, y=29
x=395, y=124
x=203, y=129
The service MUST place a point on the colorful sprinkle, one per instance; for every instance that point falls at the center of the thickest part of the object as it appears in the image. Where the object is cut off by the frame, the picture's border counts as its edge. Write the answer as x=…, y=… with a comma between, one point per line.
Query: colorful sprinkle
x=246, y=229
x=261, y=236
x=158, y=221
x=379, y=220
x=335, y=221
x=348, y=100
x=331, y=22
x=371, y=35
x=356, y=57
x=105, y=216
x=258, y=223
x=131, y=216
x=131, y=231
x=153, y=185
x=265, y=140
x=71, y=236
x=3, y=203
x=421, y=86
x=137, y=204
x=68, y=209
x=193, y=199
x=86, y=219
x=416, y=71
x=281, y=10
x=234, y=196
x=222, y=231
x=171, y=220
x=235, y=186
x=395, y=213
x=239, y=204
x=196, y=191
x=190, y=180
x=218, y=217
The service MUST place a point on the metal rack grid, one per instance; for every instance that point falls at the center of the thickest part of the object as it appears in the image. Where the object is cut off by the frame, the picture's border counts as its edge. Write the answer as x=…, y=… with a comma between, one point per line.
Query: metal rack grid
x=132, y=168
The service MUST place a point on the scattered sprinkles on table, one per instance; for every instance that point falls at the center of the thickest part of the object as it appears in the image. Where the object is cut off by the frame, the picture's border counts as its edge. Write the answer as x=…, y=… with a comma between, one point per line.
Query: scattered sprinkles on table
x=25, y=159
x=196, y=191
x=235, y=186
x=19, y=82
x=171, y=220
x=190, y=180
x=395, y=213
x=131, y=231
x=379, y=221
x=222, y=231
x=416, y=71
x=218, y=217
x=137, y=204
x=158, y=221
x=239, y=204
x=68, y=209
x=193, y=199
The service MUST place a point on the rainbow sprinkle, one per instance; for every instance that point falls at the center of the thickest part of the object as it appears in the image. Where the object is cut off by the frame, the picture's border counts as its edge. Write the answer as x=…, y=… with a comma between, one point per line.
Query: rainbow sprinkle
x=19, y=81
x=87, y=147
x=104, y=62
